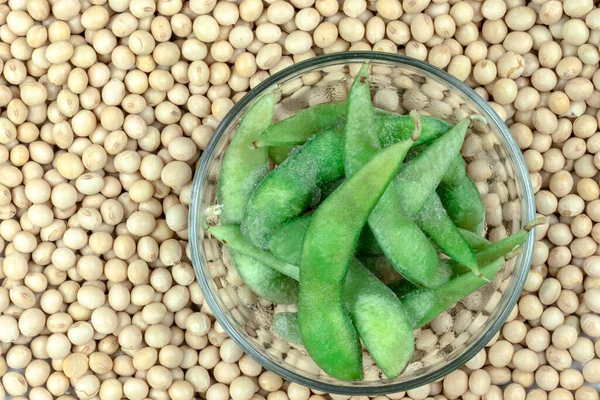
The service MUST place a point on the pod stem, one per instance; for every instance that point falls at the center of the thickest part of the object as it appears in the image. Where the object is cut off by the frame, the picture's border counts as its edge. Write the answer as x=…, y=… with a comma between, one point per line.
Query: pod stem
x=418, y=125
x=535, y=222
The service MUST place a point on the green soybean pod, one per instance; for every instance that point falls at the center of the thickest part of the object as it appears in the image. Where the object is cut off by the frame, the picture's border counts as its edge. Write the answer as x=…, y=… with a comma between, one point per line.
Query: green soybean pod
x=233, y=238
x=374, y=309
x=241, y=170
x=244, y=166
x=423, y=305
x=433, y=220
x=286, y=244
x=403, y=243
x=477, y=242
x=460, y=196
x=391, y=128
x=285, y=325
x=413, y=186
x=464, y=205
x=327, y=250
x=298, y=128
x=371, y=305
x=367, y=243
x=403, y=286
x=508, y=244
x=263, y=273
x=456, y=172
x=287, y=191
x=265, y=281
x=361, y=141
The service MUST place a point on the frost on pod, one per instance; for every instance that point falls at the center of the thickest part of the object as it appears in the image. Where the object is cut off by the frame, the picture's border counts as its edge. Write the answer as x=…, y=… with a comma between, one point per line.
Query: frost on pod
x=105, y=108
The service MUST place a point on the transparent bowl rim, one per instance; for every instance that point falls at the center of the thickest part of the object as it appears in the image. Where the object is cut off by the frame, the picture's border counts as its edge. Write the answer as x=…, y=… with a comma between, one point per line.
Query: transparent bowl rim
x=521, y=177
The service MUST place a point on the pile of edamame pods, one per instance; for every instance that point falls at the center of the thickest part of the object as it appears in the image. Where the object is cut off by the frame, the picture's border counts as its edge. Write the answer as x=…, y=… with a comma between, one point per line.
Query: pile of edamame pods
x=370, y=225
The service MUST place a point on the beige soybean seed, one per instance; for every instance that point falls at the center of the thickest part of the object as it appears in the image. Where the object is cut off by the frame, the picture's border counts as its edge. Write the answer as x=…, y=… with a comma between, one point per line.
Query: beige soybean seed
x=141, y=223
x=280, y=13
x=484, y=72
x=590, y=371
x=389, y=9
x=422, y=27
x=104, y=320
x=564, y=337
x=538, y=339
x=439, y=56
x=75, y=365
x=514, y=331
x=582, y=350
x=525, y=360
x=569, y=67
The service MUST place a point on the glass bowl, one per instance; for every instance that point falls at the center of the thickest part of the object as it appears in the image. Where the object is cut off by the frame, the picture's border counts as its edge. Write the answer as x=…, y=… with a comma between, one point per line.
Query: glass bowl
x=399, y=84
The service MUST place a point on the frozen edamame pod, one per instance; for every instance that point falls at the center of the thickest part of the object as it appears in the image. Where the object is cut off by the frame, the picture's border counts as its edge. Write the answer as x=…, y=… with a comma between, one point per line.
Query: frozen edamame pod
x=244, y=166
x=285, y=325
x=435, y=223
x=299, y=127
x=231, y=236
x=508, y=244
x=287, y=191
x=403, y=243
x=264, y=280
x=371, y=305
x=327, y=331
x=420, y=177
x=423, y=305
x=464, y=204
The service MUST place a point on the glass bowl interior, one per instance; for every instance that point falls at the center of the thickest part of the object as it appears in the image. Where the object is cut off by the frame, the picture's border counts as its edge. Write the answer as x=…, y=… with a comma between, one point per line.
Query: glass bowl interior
x=398, y=84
